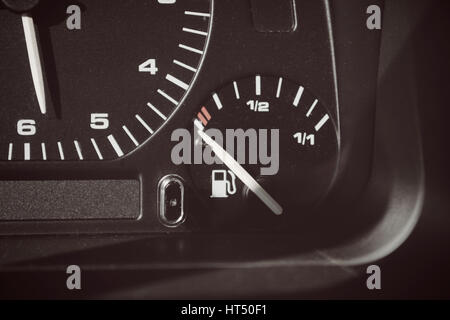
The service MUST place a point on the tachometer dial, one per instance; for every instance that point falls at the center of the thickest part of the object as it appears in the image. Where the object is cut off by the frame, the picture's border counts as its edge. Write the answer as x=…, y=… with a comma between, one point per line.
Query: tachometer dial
x=94, y=79
x=269, y=149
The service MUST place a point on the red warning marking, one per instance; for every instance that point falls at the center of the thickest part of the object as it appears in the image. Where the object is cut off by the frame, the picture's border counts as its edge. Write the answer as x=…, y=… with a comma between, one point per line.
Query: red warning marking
x=202, y=114
x=206, y=113
x=202, y=119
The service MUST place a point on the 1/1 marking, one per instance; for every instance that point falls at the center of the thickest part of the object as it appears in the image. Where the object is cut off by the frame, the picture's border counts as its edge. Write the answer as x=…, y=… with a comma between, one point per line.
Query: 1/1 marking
x=303, y=138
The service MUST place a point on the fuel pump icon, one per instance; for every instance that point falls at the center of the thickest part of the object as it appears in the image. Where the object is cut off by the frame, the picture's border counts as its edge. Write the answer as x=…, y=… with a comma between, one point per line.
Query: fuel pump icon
x=221, y=186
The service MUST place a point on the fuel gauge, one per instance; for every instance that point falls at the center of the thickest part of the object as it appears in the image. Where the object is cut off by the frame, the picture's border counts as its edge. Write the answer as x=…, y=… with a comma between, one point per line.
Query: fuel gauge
x=269, y=149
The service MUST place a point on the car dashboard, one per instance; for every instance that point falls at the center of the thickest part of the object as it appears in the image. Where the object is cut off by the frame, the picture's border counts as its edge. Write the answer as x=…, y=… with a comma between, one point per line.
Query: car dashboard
x=221, y=149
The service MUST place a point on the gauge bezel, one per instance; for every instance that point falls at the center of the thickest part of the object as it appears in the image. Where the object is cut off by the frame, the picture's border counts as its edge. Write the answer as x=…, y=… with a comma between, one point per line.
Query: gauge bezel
x=318, y=64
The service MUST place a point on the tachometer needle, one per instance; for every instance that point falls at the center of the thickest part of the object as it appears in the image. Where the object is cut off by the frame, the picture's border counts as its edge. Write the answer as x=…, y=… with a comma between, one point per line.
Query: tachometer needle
x=35, y=61
x=239, y=171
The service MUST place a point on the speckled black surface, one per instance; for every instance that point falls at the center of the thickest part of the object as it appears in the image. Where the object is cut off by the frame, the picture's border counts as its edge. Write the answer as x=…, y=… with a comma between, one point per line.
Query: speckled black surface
x=61, y=200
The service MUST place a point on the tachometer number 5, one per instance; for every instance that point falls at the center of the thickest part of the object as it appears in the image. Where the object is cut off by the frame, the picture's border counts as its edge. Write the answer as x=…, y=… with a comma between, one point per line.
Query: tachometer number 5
x=99, y=121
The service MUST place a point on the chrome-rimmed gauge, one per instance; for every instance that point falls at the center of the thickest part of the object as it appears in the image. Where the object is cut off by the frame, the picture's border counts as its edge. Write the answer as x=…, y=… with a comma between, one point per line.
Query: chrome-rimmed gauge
x=269, y=150
x=94, y=80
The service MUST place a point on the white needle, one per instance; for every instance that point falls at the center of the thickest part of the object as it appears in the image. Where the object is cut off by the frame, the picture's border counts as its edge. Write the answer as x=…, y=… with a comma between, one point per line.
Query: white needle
x=239, y=171
x=34, y=59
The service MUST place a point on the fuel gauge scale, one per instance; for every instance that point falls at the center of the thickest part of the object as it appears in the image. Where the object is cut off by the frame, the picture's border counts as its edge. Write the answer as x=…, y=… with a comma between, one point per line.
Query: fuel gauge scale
x=268, y=148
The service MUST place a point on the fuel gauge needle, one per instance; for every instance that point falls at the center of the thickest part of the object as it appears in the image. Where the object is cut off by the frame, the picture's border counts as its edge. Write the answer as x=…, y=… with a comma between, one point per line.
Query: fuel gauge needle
x=35, y=60
x=239, y=171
